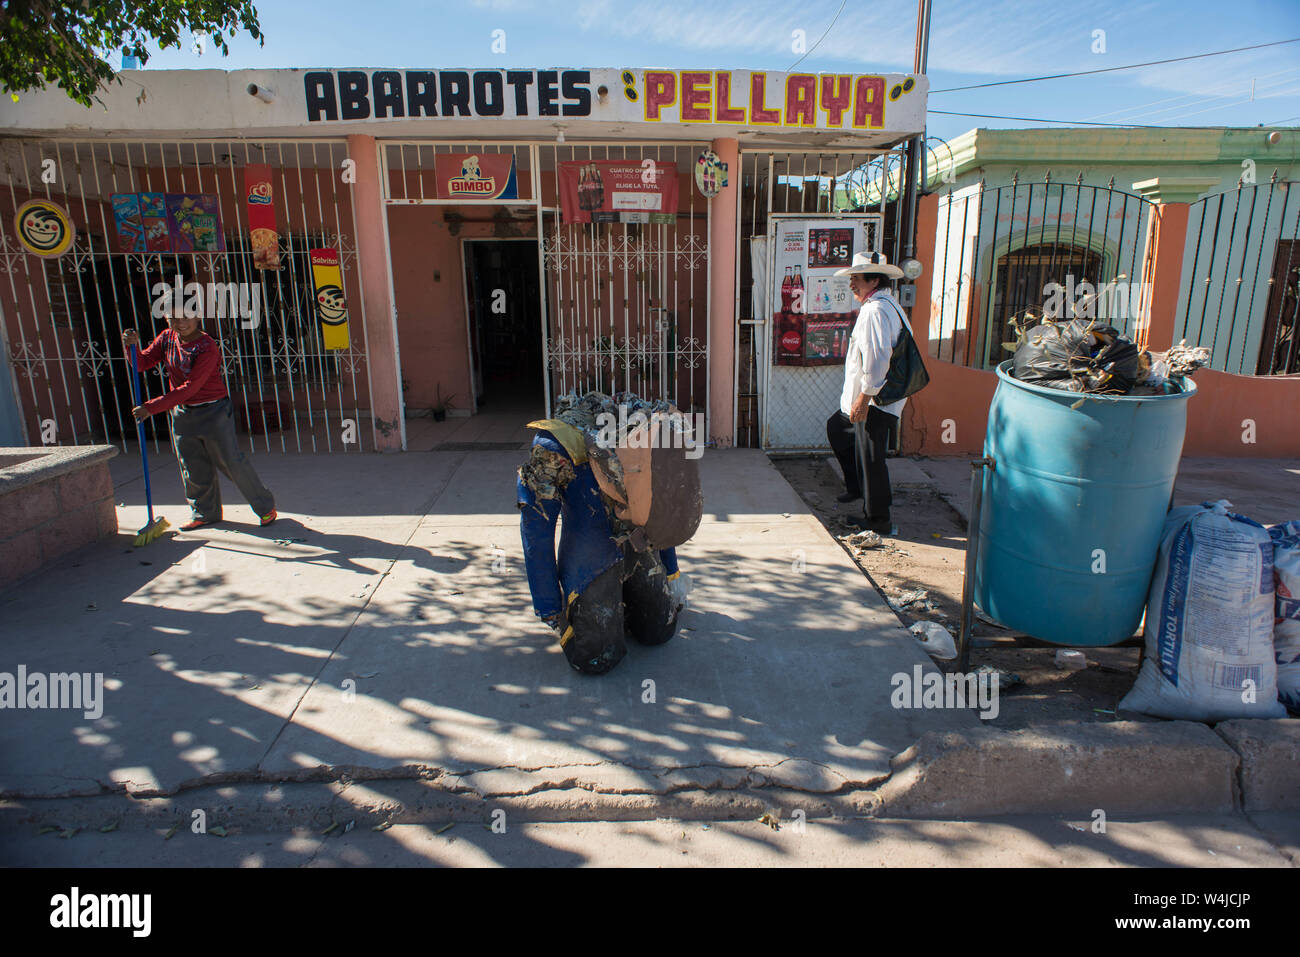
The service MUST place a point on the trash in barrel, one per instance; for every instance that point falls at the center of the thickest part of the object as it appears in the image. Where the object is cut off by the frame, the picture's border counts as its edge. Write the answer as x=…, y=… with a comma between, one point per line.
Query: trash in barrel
x=1073, y=507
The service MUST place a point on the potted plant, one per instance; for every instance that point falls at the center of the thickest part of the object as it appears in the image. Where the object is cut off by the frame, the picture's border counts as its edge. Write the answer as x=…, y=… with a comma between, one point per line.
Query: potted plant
x=441, y=405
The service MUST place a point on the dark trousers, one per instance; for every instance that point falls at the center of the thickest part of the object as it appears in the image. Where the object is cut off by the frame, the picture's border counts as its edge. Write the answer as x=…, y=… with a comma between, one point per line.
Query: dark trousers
x=629, y=600
x=204, y=439
x=881, y=430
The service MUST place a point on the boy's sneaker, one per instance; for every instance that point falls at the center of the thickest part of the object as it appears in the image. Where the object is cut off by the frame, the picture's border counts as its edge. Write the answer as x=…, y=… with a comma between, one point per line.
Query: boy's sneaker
x=194, y=523
x=268, y=519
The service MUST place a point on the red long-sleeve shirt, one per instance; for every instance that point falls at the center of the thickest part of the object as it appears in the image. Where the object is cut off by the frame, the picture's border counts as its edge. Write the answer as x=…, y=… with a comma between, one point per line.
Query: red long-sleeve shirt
x=193, y=370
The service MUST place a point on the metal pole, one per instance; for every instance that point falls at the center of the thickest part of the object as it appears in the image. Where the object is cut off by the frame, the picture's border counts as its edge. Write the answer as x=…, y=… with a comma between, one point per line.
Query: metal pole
x=917, y=145
x=972, y=556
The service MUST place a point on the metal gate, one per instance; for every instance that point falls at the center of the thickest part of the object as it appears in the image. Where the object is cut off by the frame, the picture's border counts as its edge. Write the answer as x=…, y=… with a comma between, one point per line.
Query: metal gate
x=1241, y=287
x=64, y=317
x=627, y=303
x=826, y=183
x=998, y=252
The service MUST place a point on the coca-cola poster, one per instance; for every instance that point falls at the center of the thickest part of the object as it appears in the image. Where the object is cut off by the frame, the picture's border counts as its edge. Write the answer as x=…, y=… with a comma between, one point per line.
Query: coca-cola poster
x=618, y=191
x=813, y=309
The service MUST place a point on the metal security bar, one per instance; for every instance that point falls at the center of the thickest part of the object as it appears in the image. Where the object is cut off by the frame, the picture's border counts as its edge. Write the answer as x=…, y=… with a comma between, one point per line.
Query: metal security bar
x=1241, y=291
x=65, y=316
x=1039, y=248
x=627, y=303
x=827, y=183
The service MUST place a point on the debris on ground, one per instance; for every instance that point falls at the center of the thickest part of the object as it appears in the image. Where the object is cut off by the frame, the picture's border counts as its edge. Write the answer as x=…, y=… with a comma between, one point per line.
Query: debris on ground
x=935, y=639
x=918, y=597
x=865, y=539
x=1006, y=680
x=1069, y=660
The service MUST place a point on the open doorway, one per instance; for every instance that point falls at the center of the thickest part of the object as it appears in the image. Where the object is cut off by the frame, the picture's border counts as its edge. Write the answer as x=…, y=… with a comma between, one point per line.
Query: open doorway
x=503, y=302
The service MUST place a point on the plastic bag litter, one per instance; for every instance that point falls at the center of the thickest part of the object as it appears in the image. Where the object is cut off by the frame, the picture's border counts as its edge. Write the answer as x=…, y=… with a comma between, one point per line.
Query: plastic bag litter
x=1080, y=355
x=680, y=589
x=1209, y=625
x=1286, y=623
x=917, y=596
x=935, y=639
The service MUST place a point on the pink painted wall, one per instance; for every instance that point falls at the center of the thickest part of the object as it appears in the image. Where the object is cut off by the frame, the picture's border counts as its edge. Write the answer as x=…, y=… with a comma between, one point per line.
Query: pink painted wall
x=431, y=320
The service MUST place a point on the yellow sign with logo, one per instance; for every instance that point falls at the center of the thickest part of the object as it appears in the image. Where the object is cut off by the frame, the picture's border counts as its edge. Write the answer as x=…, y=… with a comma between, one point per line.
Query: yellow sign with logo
x=44, y=228
x=331, y=304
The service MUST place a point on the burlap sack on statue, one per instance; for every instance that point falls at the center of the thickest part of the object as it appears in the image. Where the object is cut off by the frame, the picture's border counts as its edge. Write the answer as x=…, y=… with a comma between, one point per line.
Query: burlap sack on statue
x=653, y=478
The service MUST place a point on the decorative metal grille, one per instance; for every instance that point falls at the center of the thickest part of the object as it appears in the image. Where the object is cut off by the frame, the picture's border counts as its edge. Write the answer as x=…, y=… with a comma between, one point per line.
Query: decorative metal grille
x=1241, y=278
x=65, y=317
x=627, y=303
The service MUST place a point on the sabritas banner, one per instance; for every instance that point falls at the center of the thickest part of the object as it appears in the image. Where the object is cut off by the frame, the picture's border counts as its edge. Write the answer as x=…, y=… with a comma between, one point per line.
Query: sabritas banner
x=261, y=216
x=618, y=191
x=476, y=176
x=331, y=304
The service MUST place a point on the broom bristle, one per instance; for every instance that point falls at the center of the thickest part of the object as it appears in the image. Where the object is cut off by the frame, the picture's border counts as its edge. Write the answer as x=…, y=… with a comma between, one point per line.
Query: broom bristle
x=151, y=531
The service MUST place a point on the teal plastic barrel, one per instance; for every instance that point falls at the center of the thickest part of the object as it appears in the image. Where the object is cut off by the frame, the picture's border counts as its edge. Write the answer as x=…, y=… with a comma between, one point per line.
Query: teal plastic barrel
x=1073, y=508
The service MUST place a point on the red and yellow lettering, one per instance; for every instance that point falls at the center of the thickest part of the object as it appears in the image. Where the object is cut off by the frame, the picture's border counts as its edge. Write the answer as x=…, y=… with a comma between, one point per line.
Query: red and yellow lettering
x=869, y=102
x=759, y=112
x=800, y=100
x=696, y=98
x=660, y=91
x=836, y=93
x=726, y=112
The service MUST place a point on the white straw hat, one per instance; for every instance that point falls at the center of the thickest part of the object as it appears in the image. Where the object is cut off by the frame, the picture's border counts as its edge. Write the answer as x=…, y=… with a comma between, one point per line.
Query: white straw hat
x=871, y=264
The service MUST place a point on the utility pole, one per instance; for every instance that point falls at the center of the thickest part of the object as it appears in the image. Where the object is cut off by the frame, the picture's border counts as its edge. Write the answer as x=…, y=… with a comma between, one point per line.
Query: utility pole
x=916, y=149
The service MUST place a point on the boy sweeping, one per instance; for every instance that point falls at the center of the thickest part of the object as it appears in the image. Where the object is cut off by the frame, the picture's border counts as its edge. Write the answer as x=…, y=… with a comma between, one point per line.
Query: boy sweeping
x=202, y=419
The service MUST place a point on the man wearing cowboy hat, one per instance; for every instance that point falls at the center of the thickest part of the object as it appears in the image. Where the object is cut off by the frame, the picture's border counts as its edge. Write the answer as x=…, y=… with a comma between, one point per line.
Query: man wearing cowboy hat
x=859, y=421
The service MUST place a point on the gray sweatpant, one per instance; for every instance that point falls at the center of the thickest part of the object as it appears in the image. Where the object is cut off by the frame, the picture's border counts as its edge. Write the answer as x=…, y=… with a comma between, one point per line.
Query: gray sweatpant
x=204, y=439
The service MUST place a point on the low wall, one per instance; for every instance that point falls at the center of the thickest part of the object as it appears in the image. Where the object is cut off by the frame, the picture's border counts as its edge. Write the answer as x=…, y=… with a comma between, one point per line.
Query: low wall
x=52, y=501
x=1230, y=415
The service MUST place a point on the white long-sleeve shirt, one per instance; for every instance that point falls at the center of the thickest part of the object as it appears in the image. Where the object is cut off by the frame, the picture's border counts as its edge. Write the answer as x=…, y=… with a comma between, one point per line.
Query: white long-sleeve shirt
x=871, y=345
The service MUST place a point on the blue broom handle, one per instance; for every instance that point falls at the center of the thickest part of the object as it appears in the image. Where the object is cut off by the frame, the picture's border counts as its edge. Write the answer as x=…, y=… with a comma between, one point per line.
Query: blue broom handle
x=139, y=427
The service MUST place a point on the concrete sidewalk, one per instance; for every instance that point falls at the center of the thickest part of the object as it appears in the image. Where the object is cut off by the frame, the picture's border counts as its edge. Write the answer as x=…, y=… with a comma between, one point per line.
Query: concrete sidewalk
x=382, y=630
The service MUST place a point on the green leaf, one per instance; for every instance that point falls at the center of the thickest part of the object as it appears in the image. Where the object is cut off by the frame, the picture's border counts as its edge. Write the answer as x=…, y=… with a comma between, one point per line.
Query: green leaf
x=61, y=43
x=108, y=827
x=171, y=831
x=218, y=831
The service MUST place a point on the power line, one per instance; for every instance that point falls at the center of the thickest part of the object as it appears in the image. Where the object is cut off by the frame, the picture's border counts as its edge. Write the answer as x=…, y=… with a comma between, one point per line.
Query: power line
x=821, y=38
x=1140, y=110
x=1112, y=69
x=1032, y=119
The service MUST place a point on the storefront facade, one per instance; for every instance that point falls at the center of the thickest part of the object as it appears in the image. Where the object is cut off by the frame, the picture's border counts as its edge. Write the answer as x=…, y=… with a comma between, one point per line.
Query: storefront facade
x=411, y=240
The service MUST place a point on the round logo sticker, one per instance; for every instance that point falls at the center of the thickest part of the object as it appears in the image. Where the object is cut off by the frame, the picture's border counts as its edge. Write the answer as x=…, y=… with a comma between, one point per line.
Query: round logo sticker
x=331, y=305
x=44, y=228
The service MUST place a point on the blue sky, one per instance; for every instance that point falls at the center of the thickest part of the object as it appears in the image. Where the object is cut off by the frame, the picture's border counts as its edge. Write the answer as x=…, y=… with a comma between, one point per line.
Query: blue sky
x=972, y=41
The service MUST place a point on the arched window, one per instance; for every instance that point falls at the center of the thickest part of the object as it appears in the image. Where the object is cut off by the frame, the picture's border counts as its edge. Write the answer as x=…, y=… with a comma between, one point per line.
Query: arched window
x=1022, y=277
